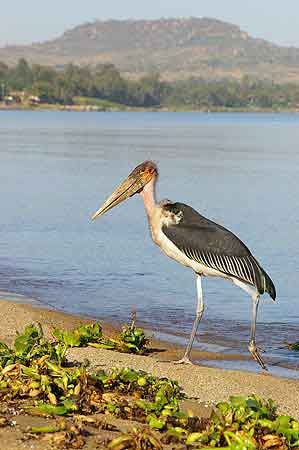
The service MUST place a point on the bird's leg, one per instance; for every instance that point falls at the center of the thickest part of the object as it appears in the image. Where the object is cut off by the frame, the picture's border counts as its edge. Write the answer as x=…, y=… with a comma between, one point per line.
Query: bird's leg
x=255, y=303
x=252, y=345
x=199, y=313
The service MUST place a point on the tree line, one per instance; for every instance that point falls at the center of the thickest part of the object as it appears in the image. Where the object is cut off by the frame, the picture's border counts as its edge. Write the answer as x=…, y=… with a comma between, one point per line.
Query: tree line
x=63, y=85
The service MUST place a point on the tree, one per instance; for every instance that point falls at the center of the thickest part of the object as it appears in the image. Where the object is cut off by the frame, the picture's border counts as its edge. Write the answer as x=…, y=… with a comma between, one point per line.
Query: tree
x=21, y=75
x=3, y=71
x=43, y=73
x=146, y=92
x=109, y=84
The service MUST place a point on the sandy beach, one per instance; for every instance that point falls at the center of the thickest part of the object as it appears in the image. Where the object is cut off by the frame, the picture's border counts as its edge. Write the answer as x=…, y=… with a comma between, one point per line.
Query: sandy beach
x=207, y=385
x=203, y=386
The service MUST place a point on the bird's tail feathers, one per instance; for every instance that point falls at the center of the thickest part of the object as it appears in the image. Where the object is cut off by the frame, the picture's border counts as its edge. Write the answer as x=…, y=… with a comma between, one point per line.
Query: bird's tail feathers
x=270, y=288
x=264, y=282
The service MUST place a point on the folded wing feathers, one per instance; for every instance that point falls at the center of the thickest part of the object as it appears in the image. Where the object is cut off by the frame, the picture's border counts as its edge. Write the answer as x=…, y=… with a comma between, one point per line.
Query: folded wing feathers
x=243, y=268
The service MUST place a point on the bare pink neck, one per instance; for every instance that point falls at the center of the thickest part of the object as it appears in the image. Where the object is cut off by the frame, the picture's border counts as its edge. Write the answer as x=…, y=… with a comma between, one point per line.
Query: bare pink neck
x=148, y=194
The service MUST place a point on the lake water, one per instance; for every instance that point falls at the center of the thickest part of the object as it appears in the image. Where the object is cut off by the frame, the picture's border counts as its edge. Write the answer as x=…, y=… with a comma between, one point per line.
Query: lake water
x=240, y=170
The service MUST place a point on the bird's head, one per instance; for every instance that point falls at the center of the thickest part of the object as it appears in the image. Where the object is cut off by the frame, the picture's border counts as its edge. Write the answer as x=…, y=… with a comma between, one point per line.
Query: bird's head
x=132, y=185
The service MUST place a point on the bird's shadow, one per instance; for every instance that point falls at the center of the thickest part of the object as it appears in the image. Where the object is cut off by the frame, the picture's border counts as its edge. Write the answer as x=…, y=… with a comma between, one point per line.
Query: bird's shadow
x=155, y=350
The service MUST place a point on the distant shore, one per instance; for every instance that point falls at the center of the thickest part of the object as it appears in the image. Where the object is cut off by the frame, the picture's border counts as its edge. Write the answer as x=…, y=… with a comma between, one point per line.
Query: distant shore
x=124, y=108
x=204, y=383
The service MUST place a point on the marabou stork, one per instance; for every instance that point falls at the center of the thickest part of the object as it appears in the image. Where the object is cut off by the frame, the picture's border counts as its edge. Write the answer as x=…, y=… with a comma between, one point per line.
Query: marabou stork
x=196, y=242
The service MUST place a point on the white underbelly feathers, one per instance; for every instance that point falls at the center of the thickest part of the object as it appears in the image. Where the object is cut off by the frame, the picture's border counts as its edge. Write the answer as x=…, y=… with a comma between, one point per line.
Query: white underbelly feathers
x=156, y=222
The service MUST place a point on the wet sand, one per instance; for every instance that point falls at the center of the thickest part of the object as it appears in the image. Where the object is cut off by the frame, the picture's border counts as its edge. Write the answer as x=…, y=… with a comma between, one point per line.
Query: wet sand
x=206, y=384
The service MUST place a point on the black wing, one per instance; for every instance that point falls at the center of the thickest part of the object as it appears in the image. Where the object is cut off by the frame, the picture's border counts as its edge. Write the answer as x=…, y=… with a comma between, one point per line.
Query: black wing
x=215, y=247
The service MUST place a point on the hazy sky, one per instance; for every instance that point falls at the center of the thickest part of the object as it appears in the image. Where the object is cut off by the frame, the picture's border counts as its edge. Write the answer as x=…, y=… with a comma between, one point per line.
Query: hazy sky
x=24, y=21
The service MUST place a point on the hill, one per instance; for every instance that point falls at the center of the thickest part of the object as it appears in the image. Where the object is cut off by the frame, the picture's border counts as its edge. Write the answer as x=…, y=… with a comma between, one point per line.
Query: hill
x=176, y=48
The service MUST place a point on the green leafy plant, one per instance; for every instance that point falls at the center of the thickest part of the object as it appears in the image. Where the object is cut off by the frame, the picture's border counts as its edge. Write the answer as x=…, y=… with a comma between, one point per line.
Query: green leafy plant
x=133, y=338
x=136, y=438
x=293, y=346
x=30, y=345
x=247, y=423
x=33, y=376
x=81, y=336
x=66, y=407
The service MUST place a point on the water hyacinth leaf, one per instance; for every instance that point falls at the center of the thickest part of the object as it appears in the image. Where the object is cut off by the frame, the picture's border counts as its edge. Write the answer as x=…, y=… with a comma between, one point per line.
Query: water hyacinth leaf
x=45, y=429
x=155, y=423
x=25, y=342
x=239, y=441
x=253, y=403
x=238, y=401
x=193, y=437
x=282, y=422
x=293, y=346
x=51, y=410
x=70, y=405
x=224, y=408
x=104, y=345
x=69, y=338
x=241, y=414
x=100, y=376
x=142, y=404
x=142, y=381
x=66, y=407
x=80, y=336
x=58, y=370
x=128, y=375
x=178, y=432
x=265, y=423
x=295, y=425
x=91, y=332
x=120, y=443
x=3, y=347
x=133, y=339
x=30, y=372
x=65, y=381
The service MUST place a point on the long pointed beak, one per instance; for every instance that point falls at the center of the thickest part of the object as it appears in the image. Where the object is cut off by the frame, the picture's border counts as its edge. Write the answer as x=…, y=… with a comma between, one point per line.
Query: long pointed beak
x=129, y=187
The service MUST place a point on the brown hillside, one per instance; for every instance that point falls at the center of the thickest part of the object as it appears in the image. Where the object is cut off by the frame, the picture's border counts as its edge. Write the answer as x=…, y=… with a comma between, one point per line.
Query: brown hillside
x=177, y=48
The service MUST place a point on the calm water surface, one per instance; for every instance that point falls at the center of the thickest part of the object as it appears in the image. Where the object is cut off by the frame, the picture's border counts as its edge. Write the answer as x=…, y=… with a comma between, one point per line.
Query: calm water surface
x=240, y=170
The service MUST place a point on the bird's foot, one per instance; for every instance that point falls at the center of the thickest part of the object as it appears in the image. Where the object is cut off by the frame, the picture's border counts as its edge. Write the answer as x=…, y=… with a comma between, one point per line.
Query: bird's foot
x=255, y=352
x=184, y=360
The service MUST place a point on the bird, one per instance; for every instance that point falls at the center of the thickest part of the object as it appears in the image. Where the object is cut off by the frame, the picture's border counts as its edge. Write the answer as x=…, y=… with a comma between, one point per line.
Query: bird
x=194, y=241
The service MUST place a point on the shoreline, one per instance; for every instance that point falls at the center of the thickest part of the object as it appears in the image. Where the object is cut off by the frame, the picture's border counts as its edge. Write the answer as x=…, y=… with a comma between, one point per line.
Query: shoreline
x=125, y=108
x=206, y=384
x=39, y=309
x=173, y=345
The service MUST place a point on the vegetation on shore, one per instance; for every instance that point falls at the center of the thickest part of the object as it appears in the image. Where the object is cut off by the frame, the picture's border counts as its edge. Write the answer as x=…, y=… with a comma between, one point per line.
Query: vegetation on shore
x=293, y=346
x=103, y=87
x=32, y=344
x=36, y=379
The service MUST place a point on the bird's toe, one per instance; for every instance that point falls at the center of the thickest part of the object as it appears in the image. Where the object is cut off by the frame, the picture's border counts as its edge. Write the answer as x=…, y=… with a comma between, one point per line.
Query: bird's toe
x=184, y=360
x=256, y=355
